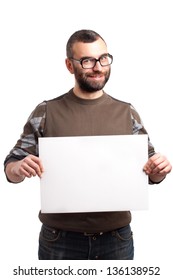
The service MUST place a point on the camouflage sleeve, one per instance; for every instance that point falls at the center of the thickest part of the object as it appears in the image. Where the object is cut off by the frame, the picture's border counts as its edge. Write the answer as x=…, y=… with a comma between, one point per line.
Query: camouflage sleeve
x=28, y=142
x=138, y=128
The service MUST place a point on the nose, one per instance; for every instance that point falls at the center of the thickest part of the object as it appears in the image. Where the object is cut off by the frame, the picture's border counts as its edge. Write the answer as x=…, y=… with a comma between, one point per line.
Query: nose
x=97, y=66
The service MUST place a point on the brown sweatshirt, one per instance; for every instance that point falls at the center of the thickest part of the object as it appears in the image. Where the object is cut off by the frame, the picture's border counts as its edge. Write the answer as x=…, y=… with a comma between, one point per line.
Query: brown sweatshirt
x=68, y=115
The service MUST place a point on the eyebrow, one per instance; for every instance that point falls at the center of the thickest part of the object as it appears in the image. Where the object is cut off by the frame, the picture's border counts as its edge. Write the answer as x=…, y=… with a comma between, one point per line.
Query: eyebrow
x=85, y=57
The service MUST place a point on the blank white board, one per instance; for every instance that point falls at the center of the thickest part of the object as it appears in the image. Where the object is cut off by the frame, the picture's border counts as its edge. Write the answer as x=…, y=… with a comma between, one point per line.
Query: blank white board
x=93, y=173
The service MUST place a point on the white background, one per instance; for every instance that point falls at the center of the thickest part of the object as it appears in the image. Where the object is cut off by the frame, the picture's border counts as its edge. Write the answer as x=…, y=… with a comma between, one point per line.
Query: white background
x=33, y=38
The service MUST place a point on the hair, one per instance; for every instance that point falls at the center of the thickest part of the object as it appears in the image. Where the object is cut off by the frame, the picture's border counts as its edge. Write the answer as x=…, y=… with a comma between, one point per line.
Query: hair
x=84, y=36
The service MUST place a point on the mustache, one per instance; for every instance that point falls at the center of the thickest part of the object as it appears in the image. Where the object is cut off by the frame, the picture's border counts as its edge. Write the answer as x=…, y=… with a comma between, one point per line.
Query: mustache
x=95, y=73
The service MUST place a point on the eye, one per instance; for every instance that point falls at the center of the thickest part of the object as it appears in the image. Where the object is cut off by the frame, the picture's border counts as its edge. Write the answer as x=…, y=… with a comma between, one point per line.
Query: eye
x=88, y=60
x=104, y=58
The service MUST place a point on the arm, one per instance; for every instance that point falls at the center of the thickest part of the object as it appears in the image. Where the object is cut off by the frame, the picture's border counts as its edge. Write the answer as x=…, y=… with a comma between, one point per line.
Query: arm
x=23, y=160
x=16, y=171
x=157, y=166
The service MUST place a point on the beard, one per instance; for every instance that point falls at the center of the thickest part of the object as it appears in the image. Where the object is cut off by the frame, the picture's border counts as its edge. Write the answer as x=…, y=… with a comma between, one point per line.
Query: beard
x=85, y=84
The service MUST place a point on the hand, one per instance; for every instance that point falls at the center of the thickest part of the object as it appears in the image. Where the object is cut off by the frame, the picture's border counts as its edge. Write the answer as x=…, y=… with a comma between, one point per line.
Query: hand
x=157, y=167
x=28, y=167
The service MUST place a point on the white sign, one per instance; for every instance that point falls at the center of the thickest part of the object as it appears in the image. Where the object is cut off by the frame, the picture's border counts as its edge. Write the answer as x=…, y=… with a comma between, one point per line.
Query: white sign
x=94, y=173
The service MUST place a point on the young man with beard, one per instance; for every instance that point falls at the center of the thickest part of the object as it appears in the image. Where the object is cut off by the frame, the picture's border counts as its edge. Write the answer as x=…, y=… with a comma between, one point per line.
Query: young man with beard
x=85, y=110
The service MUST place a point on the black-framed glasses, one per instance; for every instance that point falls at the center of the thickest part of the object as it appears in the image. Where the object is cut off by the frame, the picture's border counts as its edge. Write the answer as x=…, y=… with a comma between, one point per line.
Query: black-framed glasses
x=90, y=62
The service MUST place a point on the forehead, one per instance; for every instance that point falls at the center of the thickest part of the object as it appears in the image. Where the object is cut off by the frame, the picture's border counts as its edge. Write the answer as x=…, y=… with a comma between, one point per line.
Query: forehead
x=94, y=49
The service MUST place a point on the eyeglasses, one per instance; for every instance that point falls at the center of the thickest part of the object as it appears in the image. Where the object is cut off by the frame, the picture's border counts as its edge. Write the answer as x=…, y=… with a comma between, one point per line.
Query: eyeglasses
x=90, y=62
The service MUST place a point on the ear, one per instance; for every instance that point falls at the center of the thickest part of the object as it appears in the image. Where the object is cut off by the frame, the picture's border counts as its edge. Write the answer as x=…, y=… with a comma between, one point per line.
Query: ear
x=69, y=65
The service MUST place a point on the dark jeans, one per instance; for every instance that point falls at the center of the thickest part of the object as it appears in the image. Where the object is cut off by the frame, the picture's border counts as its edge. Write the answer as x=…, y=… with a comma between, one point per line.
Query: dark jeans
x=67, y=245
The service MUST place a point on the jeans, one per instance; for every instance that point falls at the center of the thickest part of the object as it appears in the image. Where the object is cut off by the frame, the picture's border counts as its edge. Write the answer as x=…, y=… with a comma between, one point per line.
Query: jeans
x=67, y=245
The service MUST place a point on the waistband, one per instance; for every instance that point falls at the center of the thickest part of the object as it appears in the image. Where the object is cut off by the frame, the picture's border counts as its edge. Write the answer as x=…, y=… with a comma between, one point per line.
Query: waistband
x=92, y=233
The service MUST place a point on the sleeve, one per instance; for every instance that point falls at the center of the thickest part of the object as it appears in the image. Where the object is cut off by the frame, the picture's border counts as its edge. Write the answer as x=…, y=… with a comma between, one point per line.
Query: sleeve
x=28, y=141
x=138, y=128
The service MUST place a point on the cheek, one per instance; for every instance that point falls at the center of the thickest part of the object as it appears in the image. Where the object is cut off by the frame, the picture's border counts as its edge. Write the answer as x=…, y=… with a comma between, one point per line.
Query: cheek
x=77, y=72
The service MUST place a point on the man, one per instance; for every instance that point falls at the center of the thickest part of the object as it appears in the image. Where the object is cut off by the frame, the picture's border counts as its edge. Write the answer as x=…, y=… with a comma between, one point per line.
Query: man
x=85, y=110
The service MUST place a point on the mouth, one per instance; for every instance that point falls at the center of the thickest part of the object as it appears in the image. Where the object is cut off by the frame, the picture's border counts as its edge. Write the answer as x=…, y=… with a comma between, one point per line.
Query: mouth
x=96, y=76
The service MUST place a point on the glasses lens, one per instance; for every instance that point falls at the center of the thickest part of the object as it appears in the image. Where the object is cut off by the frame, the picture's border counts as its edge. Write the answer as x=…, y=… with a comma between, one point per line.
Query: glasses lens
x=106, y=60
x=88, y=63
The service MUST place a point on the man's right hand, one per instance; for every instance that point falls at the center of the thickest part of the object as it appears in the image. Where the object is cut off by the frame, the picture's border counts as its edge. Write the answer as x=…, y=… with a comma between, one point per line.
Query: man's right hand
x=28, y=167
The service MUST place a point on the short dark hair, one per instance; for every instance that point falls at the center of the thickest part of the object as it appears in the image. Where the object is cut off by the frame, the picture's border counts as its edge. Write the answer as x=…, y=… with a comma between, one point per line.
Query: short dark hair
x=84, y=36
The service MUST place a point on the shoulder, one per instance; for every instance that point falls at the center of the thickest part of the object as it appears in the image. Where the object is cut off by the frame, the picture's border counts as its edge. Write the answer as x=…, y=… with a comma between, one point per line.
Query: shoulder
x=57, y=99
x=115, y=100
x=41, y=108
x=123, y=104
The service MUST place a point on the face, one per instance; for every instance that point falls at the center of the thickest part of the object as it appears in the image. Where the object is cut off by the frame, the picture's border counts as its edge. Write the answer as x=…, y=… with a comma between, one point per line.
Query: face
x=94, y=79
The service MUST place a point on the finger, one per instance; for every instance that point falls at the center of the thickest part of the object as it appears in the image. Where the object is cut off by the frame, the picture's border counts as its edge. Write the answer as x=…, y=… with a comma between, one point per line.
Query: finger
x=31, y=166
x=27, y=170
x=39, y=164
x=162, y=168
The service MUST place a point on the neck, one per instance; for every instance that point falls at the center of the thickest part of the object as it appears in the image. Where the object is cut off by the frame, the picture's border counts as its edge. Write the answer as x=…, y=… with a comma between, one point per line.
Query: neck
x=87, y=95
